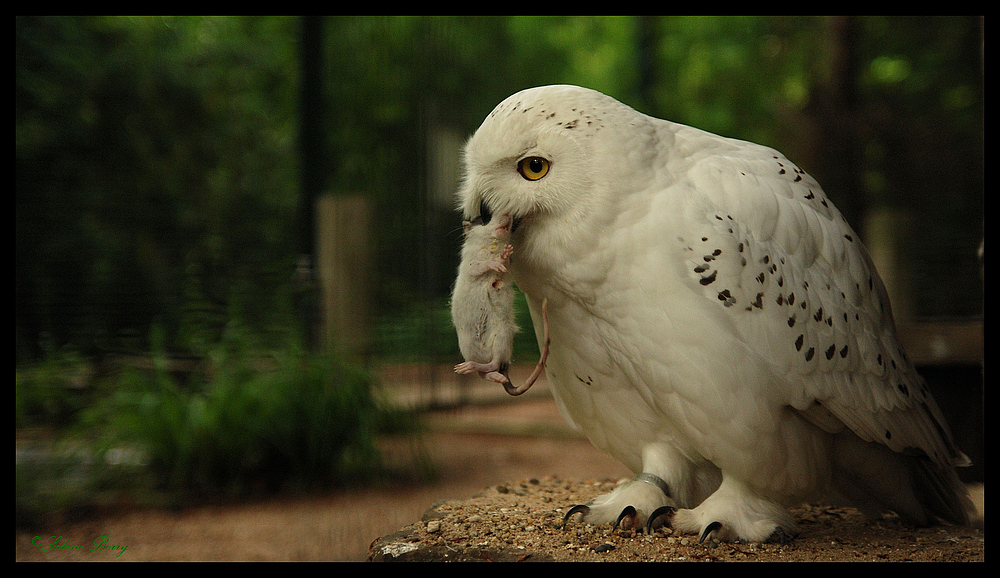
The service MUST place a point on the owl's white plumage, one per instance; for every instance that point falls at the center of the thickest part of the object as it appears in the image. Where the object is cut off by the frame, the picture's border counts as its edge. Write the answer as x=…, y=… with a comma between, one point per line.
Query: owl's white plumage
x=713, y=319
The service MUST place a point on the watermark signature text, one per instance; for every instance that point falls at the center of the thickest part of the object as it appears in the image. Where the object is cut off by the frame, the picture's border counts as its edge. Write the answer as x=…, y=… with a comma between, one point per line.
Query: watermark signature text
x=57, y=543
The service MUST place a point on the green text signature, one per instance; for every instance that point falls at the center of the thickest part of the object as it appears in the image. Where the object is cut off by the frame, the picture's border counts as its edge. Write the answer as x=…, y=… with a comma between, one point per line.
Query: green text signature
x=101, y=543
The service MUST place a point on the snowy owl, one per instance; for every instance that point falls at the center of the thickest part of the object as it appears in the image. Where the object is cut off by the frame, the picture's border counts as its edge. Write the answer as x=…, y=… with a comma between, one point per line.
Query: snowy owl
x=714, y=323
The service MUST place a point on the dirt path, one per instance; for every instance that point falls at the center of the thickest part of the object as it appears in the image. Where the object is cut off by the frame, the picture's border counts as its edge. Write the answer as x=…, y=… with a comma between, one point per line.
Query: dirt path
x=338, y=527
x=520, y=447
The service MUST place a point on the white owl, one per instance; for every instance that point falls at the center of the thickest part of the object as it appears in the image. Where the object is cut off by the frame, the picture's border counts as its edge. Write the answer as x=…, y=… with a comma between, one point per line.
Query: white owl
x=715, y=324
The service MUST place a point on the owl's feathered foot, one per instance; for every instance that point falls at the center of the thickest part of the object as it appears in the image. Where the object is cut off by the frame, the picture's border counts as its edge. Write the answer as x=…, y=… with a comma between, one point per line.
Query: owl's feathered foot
x=629, y=505
x=730, y=514
x=779, y=535
x=656, y=520
x=733, y=513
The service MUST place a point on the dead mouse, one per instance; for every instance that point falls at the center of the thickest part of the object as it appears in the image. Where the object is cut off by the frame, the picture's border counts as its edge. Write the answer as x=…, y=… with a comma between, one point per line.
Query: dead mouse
x=482, y=306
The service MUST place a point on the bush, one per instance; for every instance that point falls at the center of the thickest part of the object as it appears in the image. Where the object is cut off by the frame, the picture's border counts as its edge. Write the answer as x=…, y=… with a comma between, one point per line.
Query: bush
x=50, y=393
x=301, y=421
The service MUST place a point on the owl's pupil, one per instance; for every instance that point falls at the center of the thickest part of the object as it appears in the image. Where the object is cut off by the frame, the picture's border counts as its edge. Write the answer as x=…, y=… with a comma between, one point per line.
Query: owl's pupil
x=535, y=165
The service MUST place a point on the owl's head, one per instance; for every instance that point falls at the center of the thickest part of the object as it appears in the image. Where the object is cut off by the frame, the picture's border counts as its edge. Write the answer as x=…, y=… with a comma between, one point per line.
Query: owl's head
x=552, y=152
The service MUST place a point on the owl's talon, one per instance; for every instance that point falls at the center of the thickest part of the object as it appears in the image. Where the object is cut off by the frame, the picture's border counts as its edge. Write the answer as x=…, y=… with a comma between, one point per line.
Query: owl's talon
x=577, y=509
x=628, y=515
x=656, y=515
x=708, y=530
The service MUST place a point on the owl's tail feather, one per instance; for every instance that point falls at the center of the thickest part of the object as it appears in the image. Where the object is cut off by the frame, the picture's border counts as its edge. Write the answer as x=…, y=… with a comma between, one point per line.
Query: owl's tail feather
x=878, y=480
x=940, y=490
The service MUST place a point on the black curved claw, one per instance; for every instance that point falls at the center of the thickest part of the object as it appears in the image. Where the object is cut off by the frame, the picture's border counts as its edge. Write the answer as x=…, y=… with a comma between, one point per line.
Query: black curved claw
x=577, y=509
x=659, y=513
x=708, y=530
x=627, y=512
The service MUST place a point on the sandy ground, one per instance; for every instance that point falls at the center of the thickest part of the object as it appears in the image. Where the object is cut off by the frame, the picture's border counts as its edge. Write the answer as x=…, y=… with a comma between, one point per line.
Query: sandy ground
x=507, y=471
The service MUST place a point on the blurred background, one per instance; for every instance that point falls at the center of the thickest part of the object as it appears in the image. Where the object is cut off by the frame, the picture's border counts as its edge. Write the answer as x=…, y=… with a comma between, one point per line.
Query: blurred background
x=236, y=236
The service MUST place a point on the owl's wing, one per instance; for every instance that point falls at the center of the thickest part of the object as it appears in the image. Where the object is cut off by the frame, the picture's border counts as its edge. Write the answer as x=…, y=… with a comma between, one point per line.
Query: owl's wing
x=803, y=292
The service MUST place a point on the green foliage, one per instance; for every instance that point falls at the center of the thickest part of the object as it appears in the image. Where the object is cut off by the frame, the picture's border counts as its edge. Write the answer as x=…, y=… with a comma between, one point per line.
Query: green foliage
x=152, y=154
x=158, y=180
x=52, y=391
x=285, y=422
x=739, y=76
x=57, y=479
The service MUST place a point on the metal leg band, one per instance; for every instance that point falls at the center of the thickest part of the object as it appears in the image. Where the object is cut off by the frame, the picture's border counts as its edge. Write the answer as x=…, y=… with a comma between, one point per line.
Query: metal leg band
x=656, y=481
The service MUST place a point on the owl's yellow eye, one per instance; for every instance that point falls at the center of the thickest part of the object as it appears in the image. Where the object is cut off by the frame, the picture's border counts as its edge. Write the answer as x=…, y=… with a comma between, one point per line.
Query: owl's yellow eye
x=533, y=168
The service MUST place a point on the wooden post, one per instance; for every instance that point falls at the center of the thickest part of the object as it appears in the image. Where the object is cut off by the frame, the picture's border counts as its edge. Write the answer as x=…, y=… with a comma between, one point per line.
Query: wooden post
x=343, y=260
x=886, y=232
